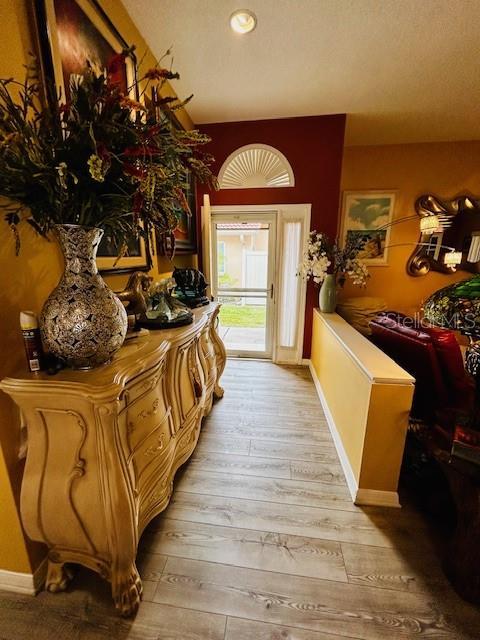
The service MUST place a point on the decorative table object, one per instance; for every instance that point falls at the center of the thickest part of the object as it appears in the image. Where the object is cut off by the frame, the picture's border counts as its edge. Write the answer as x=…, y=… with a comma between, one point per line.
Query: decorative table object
x=104, y=446
x=100, y=162
x=83, y=322
x=327, y=300
x=134, y=293
x=163, y=310
x=328, y=264
x=191, y=287
x=457, y=307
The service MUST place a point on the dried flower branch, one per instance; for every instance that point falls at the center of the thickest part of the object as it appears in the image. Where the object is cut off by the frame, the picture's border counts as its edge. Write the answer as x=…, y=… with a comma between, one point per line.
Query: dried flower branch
x=102, y=159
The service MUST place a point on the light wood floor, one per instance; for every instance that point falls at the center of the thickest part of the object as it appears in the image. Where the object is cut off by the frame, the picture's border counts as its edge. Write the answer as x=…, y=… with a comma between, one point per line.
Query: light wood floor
x=261, y=542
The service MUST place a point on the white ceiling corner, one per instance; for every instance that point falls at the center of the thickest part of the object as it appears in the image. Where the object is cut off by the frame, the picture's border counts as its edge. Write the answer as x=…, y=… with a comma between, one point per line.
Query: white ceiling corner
x=403, y=71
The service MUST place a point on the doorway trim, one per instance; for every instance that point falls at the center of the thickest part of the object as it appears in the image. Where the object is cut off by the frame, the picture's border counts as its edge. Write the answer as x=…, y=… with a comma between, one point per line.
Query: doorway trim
x=284, y=213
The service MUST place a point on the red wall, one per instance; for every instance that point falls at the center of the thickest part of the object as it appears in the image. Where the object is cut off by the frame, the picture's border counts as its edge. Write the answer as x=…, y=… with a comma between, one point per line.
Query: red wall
x=314, y=147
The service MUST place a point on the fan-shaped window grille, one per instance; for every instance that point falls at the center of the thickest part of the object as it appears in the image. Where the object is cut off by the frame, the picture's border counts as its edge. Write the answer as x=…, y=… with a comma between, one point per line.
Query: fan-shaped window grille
x=254, y=166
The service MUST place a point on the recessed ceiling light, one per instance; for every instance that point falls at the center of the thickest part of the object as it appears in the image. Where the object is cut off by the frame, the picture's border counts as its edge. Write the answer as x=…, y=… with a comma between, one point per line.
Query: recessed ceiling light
x=243, y=21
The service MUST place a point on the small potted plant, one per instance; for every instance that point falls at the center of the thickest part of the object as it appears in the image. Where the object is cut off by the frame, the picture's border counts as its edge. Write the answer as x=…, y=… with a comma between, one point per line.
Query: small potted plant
x=100, y=162
x=329, y=265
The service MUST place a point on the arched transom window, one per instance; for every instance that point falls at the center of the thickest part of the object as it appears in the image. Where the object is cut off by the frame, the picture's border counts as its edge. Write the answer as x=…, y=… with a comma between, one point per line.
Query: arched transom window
x=255, y=166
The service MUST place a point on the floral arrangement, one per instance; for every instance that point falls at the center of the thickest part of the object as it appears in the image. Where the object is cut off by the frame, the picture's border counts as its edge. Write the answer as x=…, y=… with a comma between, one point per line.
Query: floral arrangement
x=324, y=257
x=99, y=159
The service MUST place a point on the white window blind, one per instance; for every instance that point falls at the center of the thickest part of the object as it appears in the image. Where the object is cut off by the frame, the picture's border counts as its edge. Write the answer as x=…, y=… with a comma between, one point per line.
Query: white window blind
x=288, y=312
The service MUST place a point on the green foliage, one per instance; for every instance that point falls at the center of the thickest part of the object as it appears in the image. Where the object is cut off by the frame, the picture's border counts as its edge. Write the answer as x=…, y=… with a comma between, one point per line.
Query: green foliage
x=456, y=306
x=226, y=281
x=242, y=316
x=100, y=159
x=469, y=289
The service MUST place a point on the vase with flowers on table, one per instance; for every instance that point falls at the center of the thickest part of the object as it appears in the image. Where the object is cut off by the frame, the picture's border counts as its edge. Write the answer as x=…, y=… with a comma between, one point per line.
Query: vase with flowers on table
x=98, y=163
x=329, y=265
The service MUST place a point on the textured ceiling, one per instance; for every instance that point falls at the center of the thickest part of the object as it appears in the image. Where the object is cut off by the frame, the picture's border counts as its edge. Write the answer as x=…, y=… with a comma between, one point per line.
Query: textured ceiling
x=403, y=70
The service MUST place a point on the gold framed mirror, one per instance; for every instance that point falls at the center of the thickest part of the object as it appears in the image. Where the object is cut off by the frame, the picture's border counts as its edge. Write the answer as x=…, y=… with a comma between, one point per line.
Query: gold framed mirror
x=458, y=230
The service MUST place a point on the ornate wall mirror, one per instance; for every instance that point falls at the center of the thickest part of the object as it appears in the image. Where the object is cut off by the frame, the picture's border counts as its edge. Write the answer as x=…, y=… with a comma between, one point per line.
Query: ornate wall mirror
x=458, y=229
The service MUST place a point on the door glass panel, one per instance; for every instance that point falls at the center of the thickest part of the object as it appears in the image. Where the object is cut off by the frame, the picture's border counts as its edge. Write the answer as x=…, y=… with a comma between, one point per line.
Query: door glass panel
x=242, y=324
x=243, y=277
x=242, y=255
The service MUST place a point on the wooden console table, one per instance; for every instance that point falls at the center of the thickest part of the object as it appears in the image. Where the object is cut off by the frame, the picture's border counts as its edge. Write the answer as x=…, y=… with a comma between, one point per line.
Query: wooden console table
x=104, y=446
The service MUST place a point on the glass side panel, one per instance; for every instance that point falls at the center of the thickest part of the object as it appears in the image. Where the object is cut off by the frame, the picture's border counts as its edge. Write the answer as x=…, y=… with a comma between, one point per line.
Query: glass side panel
x=242, y=255
x=290, y=283
x=242, y=324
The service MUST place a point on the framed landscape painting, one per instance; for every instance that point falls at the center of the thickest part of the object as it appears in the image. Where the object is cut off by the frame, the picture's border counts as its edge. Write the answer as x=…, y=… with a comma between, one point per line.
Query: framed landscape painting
x=365, y=215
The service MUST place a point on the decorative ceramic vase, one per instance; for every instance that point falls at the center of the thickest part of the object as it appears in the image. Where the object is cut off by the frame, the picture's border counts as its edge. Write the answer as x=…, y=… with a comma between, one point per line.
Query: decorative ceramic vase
x=82, y=322
x=327, y=299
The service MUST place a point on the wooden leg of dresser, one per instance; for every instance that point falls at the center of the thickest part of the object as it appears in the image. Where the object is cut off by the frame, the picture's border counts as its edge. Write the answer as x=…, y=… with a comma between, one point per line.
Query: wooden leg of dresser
x=218, y=391
x=220, y=353
x=58, y=576
x=208, y=405
x=127, y=590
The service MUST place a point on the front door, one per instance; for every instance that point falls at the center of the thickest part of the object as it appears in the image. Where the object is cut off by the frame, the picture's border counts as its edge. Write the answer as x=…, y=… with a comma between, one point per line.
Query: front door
x=243, y=281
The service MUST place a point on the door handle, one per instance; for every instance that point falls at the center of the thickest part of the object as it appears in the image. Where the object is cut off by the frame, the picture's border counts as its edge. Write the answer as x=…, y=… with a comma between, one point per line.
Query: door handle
x=271, y=290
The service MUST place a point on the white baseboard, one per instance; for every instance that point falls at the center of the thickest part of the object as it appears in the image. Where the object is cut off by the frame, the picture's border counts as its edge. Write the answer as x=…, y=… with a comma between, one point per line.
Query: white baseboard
x=342, y=454
x=25, y=583
x=306, y=362
x=365, y=497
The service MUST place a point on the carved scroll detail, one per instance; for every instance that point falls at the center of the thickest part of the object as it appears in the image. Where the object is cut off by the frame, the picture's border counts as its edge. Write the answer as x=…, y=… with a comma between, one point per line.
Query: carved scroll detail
x=220, y=353
x=77, y=472
x=154, y=449
x=146, y=413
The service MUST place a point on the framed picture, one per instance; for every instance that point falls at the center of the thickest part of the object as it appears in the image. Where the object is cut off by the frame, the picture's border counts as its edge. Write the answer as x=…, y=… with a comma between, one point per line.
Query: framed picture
x=71, y=33
x=135, y=260
x=364, y=216
x=185, y=233
x=74, y=32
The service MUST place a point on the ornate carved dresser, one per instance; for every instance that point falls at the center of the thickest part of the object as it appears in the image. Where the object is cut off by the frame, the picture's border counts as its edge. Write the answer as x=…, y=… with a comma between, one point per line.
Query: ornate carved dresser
x=104, y=446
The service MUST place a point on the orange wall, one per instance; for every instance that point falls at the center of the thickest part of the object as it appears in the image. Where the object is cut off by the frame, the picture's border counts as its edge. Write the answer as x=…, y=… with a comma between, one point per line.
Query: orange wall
x=445, y=169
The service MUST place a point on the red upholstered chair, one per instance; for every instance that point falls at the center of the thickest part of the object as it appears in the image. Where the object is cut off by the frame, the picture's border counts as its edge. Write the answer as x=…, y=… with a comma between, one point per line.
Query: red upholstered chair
x=433, y=357
x=437, y=481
